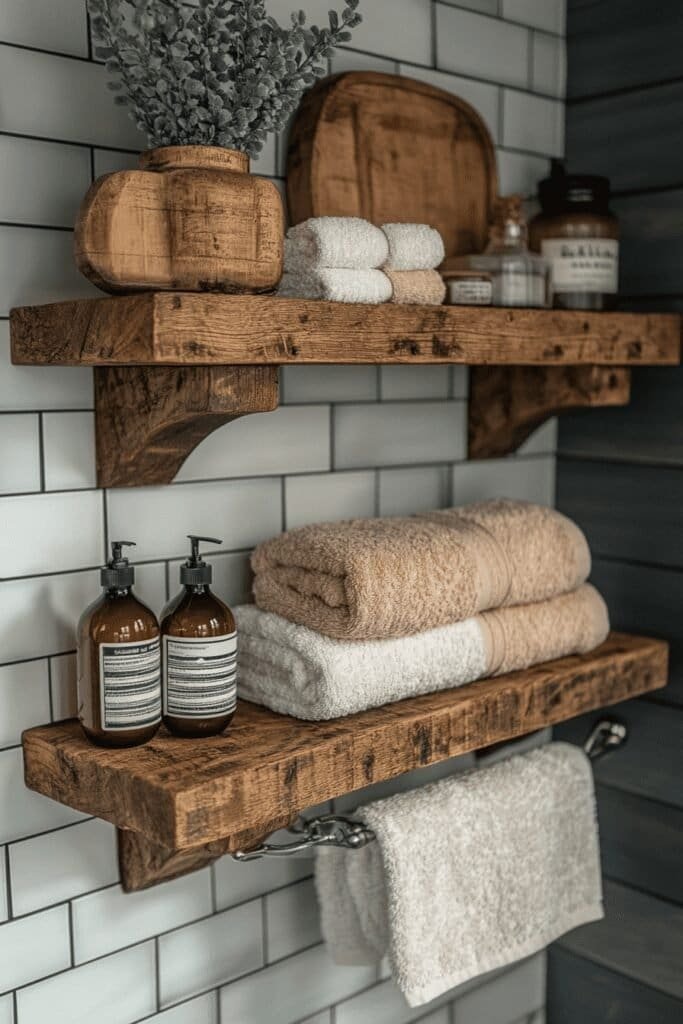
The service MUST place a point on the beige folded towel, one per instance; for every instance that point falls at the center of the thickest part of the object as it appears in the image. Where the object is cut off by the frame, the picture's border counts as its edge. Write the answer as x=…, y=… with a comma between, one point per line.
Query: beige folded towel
x=295, y=671
x=417, y=287
x=375, y=578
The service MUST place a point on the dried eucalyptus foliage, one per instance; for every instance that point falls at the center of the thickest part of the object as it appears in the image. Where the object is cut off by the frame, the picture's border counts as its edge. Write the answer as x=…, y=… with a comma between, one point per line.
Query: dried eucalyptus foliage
x=224, y=73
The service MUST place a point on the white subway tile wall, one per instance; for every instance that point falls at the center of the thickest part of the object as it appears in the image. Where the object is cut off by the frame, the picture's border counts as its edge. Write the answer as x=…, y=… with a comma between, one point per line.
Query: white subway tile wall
x=234, y=944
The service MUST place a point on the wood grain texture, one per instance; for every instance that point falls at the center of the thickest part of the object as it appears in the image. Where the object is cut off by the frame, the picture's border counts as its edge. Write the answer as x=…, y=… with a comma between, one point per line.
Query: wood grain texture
x=508, y=403
x=182, y=793
x=149, y=419
x=582, y=992
x=143, y=863
x=389, y=148
x=650, y=429
x=199, y=328
x=191, y=218
x=626, y=510
x=648, y=598
x=634, y=926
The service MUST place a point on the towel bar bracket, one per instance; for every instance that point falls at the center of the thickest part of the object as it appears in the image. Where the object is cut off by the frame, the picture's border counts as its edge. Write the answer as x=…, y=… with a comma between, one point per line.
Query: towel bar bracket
x=607, y=735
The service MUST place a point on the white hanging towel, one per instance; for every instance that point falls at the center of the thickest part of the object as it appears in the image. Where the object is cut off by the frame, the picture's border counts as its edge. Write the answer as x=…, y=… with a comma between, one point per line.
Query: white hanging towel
x=468, y=874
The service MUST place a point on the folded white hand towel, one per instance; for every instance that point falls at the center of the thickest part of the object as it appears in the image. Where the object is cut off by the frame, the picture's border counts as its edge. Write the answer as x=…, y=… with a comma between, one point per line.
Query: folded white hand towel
x=336, y=285
x=340, y=242
x=413, y=247
x=296, y=671
x=468, y=874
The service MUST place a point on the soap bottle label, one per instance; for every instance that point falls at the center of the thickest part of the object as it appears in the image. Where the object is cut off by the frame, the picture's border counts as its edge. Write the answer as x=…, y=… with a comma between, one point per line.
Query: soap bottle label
x=200, y=676
x=130, y=675
x=583, y=264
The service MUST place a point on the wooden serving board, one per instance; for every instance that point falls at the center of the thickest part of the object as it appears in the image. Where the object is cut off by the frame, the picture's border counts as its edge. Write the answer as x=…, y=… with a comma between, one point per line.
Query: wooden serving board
x=389, y=149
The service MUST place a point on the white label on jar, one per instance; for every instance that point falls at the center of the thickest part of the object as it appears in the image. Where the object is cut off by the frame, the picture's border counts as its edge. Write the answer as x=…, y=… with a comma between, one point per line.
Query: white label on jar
x=130, y=678
x=200, y=676
x=470, y=291
x=583, y=264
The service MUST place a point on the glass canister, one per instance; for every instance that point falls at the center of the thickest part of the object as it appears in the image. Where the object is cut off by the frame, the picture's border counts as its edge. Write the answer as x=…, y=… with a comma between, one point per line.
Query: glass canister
x=518, y=277
x=578, y=235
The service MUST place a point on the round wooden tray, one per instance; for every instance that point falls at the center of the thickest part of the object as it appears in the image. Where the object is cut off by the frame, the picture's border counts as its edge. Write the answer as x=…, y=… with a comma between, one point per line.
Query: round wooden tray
x=389, y=148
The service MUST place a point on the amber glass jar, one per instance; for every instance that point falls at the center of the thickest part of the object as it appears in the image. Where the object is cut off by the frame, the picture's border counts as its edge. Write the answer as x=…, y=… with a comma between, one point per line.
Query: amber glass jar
x=579, y=237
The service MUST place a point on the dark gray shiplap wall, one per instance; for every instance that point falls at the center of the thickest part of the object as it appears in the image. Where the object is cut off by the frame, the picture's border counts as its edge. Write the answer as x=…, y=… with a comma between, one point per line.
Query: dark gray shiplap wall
x=620, y=475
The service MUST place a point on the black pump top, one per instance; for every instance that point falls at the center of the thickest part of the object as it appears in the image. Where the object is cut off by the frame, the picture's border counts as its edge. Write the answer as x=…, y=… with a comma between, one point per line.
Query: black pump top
x=562, y=192
x=118, y=572
x=195, y=571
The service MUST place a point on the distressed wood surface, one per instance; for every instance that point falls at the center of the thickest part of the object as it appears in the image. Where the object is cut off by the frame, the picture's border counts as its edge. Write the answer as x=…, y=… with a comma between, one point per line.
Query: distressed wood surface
x=191, y=218
x=389, y=148
x=508, y=403
x=160, y=328
x=143, y=863
x=149, y=419
x=182, y=793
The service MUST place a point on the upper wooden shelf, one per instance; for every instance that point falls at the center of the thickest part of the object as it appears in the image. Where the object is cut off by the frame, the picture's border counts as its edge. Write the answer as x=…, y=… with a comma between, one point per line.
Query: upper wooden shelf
x=198, y=328
x=177, y=795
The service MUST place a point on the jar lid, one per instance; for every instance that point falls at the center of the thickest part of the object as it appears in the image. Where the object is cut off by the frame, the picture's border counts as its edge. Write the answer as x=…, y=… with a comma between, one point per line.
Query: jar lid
x=563, y=191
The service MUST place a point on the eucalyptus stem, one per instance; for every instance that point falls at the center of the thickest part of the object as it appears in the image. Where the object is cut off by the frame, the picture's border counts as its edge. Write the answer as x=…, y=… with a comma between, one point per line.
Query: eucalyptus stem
x=224, y=73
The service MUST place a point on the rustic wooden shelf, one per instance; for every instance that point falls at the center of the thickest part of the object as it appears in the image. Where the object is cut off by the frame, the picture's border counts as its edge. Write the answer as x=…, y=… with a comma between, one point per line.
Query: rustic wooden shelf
x=181, y=803
x=170, y=367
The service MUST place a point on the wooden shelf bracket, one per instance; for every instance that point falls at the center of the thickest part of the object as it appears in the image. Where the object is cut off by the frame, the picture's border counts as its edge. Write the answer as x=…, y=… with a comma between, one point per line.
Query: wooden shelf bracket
x=149, y=418
x=507, y=403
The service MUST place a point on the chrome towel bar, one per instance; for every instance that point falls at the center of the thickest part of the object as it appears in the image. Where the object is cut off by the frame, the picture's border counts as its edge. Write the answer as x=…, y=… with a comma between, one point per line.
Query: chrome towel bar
x=607, y=735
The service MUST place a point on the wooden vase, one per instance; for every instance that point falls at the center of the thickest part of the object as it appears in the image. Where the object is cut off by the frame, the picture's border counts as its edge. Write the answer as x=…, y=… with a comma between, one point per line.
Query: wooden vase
x=192, y=218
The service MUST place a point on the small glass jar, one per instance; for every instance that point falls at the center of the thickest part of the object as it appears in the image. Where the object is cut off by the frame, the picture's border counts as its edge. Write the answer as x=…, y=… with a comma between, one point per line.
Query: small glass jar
x=579, y=236
x=518, y=277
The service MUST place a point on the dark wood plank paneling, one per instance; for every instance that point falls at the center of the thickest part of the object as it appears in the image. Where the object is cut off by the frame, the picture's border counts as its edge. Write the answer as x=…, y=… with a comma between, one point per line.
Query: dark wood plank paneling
x=651, y=253
x=641, y=842
x=619, y=45
x=627, y=511
x=647, y=599
x=640, y=937
x=650, y=428
x=581, y=992
x=636, y=138
x=650, y=764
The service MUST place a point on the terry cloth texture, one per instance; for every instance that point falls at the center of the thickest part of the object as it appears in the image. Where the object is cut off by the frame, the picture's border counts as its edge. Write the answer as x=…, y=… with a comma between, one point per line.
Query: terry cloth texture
x=367, y=579
x=366, y=286
x=417, y=287
x=298, y=672
x=413, y=247
x=349, y=242
x=468, y=874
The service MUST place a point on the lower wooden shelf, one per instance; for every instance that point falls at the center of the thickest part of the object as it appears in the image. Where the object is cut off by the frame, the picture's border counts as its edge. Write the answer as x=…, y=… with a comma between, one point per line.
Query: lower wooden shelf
x=185, y=802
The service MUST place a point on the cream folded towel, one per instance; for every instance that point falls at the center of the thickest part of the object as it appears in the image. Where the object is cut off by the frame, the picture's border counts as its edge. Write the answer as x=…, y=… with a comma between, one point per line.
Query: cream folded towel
x=348, y=242
x=370, y=579
x=331, y=285
x=468, y=874
x=413, y=247
x=297, y=672
x=417, y=287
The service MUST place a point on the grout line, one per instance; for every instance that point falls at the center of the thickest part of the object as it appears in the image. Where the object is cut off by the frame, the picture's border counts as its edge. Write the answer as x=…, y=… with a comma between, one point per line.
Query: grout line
x=265, y=952
x=35, y=227
x=157, y=974
x=72, y=950
x=8, y=886
x=49, y=689
x=576, y=101
x=41, y=450
x=433, y=33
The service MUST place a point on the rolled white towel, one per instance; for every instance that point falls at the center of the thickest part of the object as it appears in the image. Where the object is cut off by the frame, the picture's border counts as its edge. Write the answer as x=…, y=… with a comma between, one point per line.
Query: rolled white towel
x=349, y=243
x=336, y=285
x=413, y=247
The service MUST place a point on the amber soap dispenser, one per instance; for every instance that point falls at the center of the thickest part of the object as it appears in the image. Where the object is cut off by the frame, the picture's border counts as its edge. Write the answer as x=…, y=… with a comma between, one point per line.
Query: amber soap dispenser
x=199, y=653
x=119, y=661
